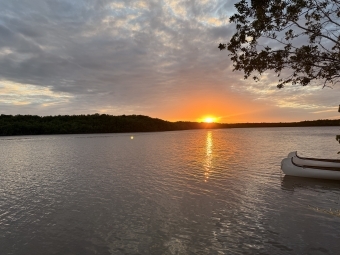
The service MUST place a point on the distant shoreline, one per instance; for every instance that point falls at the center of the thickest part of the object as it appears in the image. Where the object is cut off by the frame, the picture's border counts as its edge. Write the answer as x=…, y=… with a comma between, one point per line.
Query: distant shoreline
x=102, y=123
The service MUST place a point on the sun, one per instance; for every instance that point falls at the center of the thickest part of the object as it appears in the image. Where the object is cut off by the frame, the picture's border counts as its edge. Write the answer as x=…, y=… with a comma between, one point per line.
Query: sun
x=209, y=119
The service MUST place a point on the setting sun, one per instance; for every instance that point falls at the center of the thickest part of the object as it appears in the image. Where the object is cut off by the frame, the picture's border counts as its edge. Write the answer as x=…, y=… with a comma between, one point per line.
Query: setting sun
x=208, y=119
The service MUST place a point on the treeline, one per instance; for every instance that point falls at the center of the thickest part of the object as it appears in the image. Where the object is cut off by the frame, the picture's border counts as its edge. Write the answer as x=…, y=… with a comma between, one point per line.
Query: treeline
x=306, y=123
x=87, y=124
x=103, y=123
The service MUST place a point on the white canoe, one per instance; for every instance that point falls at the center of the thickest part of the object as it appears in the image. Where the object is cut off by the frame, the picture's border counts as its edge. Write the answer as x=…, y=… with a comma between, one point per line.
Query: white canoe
x=313, y=161
x=289, y=167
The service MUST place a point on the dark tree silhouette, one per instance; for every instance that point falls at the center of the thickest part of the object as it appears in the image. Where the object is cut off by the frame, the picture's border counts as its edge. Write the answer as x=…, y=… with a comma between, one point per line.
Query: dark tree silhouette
x=95, y=123
x=104, y=123
x=299, y=37
x=222, y=46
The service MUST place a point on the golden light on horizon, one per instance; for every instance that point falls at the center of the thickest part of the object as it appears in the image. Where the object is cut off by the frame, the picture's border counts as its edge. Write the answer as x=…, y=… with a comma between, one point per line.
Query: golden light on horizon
x=208, y=119
x=196, y=107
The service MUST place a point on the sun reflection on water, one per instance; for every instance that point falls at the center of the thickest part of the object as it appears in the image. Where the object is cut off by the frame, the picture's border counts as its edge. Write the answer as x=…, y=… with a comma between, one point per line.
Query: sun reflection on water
x=209, y=156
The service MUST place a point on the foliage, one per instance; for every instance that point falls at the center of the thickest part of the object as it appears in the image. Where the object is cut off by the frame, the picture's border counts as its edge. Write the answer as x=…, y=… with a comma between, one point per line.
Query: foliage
x=301, y=37
x=86, y=124
x=103, y=123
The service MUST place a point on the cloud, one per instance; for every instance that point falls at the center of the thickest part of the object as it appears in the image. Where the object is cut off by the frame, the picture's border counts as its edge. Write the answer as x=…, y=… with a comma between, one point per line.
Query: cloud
x=122, y=57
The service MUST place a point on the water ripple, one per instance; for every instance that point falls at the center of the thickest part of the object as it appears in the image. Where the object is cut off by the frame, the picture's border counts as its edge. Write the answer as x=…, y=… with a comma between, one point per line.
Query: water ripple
x=188, y=192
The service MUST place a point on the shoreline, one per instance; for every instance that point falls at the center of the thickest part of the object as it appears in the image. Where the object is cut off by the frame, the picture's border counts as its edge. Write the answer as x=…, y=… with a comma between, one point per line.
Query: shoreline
x=103, y=124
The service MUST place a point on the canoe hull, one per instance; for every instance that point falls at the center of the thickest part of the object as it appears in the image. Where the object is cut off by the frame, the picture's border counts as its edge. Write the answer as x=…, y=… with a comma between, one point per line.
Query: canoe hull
x=289, y=168
x=313, y=161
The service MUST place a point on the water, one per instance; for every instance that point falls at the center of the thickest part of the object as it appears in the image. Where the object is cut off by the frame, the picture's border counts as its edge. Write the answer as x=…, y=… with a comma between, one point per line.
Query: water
x=187, y=192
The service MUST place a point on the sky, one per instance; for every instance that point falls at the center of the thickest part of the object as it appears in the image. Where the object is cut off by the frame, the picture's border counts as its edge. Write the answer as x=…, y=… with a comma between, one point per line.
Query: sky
x=154, y=58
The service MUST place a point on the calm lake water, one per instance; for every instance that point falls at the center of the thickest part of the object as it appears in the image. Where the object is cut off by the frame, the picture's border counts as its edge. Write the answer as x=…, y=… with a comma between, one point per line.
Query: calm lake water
x=186, y=192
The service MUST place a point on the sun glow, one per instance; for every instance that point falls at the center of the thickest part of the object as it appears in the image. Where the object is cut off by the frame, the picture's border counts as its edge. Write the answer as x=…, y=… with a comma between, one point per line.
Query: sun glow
x=209, y=119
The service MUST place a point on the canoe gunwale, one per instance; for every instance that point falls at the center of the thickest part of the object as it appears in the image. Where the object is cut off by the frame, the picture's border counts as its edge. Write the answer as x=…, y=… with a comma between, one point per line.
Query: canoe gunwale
x=317, y=167
x=318, y=159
